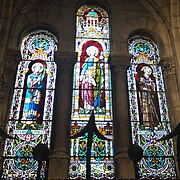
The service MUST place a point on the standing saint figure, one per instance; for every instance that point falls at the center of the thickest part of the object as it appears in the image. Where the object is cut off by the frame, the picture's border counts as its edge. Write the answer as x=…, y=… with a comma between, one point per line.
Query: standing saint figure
x=91, y=81
x=35, y=83
x=146, y=91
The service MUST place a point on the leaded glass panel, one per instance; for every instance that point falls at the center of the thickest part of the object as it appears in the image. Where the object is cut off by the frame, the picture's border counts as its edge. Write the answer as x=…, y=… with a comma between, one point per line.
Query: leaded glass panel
x=92, y=92
x=30, y=118
x=148, y=110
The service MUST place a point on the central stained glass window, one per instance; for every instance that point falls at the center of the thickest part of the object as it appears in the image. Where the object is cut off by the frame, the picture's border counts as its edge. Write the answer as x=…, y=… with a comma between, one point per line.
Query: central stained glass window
x=92, y=92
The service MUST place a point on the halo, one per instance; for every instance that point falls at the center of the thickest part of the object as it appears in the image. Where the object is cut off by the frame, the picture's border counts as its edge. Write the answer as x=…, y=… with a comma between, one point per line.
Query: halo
x=146, y=67
x=90, y=48
x=37, y=64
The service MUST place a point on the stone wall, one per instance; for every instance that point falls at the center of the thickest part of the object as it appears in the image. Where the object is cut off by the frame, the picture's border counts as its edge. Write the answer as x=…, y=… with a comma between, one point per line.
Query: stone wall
x=157, y=19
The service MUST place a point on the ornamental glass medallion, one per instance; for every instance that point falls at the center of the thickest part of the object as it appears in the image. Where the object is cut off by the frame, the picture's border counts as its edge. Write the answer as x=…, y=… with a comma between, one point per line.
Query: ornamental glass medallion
x=92, y=92
x=30, y=118
x=148, y=110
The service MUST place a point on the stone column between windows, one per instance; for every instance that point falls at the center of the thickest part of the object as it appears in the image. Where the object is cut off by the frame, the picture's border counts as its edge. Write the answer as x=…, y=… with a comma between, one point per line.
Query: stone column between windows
x=59, y=159
x=124, y=168
x=172, y=95
x=172, y=92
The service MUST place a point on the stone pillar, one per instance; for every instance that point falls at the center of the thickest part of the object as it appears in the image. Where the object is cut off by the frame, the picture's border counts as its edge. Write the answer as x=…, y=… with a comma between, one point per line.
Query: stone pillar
x=173, y=98
x=172, y=90
x=2, y=94
x=175, y=35
x=1, y=86
x=12, y=60
x=59, y=159
x=2, y=125
x=123, y=165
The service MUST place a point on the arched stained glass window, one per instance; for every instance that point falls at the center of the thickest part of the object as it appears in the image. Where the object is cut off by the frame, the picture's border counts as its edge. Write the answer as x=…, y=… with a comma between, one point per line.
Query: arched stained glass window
x=148, y=110
x=31, y=111
x=92, y=92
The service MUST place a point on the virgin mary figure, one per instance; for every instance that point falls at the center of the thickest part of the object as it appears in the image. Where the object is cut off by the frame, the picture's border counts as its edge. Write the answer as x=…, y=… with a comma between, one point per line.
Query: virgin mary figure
x=91, y=81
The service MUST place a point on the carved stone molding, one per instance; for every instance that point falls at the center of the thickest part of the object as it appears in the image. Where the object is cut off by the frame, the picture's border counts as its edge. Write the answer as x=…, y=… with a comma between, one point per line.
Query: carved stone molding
x=12, y=59
x=66, y=62
x=58, y=164
x=168, y=66
x=122, y=155
x=59, y=153
x=119, y=64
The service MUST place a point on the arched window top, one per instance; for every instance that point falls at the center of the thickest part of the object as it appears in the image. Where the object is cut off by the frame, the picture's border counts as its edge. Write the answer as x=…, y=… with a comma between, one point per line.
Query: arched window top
x=92, y=22
x=39, y=44
x=92, y=10
x=143, y=50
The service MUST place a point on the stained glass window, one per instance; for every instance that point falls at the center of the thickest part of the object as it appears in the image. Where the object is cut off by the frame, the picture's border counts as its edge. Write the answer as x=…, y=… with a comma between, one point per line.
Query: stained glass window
x=148, y=110
x=31, y=111
x=92, y=92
